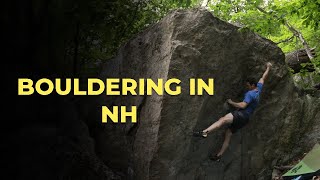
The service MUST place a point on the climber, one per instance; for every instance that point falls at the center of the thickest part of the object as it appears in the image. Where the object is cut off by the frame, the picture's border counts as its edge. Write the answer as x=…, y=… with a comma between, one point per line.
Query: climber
x=238, y=118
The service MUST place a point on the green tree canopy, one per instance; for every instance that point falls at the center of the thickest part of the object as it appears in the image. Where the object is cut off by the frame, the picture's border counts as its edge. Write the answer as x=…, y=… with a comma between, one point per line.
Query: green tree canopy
x=105, y=25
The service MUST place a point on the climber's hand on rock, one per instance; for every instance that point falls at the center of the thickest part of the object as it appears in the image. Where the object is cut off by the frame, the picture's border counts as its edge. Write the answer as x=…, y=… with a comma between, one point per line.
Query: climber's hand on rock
x=229, y=101
x=269, y=64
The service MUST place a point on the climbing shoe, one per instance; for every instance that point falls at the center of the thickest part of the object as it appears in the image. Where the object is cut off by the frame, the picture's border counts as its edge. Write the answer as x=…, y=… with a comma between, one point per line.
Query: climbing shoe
x=200, y=134
x=215, y=157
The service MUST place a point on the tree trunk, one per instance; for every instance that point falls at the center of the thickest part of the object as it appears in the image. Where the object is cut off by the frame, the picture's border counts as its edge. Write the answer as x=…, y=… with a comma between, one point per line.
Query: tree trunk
x=205, y=3
x=300, y=36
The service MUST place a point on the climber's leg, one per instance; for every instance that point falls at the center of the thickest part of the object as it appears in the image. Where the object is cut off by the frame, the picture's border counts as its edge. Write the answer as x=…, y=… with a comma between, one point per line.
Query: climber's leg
x=227, y=119
x=224, y=147
x=226, y=142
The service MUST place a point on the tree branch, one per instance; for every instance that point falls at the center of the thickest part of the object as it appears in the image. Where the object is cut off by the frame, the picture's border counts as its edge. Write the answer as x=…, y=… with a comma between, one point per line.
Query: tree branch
x=286, y=40
x=205, y=3
x=294, y=31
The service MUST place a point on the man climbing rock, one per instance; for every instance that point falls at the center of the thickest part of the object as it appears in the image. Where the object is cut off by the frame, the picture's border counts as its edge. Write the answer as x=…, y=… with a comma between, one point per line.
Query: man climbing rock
x=238, y=118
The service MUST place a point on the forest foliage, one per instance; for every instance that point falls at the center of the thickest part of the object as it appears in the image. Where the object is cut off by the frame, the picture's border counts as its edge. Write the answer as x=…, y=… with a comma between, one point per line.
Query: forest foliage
x=106, y=25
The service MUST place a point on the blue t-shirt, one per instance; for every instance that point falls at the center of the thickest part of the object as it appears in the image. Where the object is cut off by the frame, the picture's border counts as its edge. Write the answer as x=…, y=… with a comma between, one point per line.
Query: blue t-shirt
x=252, y=99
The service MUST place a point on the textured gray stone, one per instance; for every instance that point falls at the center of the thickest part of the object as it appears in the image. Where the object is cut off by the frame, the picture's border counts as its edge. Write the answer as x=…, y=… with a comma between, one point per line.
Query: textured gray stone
x=62, y=149
x=193, y=43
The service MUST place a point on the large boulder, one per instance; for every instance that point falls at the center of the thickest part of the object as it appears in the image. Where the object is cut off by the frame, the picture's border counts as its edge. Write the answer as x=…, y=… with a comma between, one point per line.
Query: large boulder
x=55, y=142
x=195, y=44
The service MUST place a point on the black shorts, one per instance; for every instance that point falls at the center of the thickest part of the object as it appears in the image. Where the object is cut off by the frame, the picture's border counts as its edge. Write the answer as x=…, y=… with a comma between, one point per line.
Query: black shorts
x=240, y=119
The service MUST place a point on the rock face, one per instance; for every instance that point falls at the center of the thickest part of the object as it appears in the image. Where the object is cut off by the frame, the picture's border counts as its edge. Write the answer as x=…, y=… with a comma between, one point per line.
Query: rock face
x=295, y=58
x=59, y=145
x=194, y=44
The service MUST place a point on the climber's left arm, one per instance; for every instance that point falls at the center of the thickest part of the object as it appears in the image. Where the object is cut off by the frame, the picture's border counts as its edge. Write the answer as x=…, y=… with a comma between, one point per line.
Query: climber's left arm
x=241, y=105
x=265, y=74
